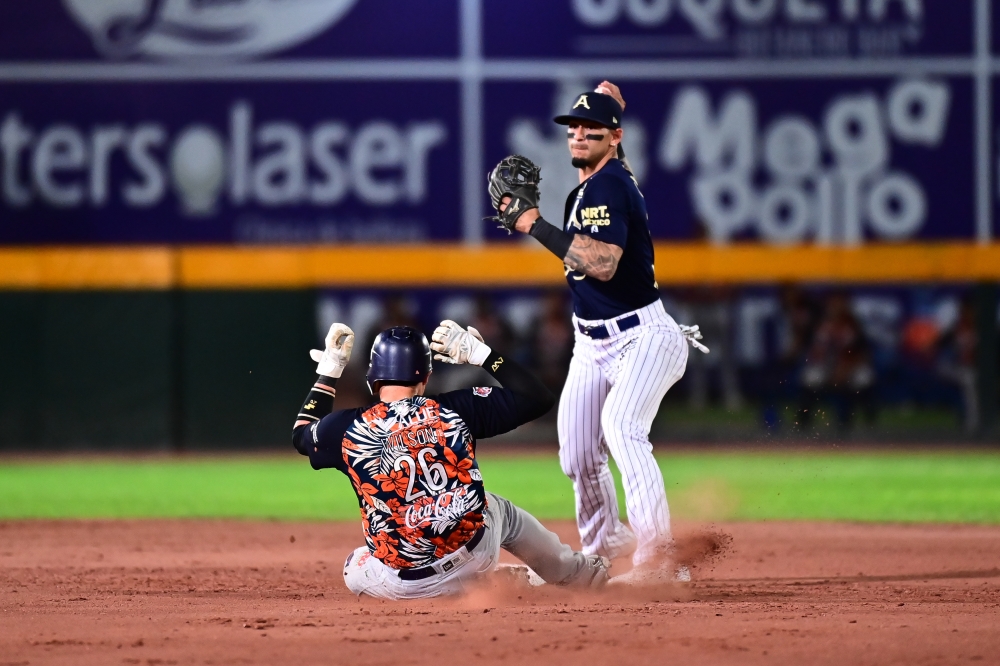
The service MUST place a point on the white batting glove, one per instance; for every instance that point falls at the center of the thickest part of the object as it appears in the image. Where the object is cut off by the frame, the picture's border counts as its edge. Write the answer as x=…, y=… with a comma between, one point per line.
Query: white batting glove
x=454, y=344
x=333, y=360
x=693, y=335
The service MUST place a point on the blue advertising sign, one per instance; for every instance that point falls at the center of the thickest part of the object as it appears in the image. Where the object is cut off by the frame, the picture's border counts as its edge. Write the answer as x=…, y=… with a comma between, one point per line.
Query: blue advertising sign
x=226, y=162
x=298, y=121
x=728, y=28
x=184, y=30
x=829, y=161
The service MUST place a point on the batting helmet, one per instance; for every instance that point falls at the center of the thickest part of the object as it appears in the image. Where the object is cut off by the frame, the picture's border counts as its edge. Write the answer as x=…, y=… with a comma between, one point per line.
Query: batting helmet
x=399, y=354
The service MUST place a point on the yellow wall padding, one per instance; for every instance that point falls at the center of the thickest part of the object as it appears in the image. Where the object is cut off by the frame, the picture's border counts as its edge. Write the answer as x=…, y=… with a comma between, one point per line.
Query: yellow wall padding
x=453, y=265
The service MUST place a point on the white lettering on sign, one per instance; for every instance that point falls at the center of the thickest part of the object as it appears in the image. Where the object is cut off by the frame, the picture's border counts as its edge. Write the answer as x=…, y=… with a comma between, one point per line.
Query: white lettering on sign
x=727, y=141
x=708, y=17
x=831, y=200
x=272, y=164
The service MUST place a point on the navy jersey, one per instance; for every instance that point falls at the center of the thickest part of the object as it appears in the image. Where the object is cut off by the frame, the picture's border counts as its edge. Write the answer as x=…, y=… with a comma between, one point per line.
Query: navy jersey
x=609, y=207
x=412, y=462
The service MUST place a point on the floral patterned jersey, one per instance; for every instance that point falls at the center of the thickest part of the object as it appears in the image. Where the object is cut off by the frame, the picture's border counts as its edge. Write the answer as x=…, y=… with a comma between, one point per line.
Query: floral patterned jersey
x=412, y=462
x=414, y=471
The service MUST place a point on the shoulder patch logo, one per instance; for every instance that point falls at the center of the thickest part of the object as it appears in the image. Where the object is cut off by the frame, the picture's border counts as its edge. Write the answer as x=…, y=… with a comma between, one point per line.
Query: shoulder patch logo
x=482, y=391
x=595, y=216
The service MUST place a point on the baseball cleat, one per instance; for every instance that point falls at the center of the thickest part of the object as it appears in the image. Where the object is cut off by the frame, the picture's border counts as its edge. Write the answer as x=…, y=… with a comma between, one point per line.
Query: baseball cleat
x=599, y=567
x=594, y=575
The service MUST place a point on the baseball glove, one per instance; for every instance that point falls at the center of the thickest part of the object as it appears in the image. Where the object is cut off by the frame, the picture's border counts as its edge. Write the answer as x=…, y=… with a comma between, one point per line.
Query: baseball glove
x=515, y=177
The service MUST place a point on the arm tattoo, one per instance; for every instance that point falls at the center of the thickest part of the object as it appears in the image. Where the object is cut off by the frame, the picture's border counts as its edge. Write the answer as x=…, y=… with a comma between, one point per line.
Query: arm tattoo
x=593, y=258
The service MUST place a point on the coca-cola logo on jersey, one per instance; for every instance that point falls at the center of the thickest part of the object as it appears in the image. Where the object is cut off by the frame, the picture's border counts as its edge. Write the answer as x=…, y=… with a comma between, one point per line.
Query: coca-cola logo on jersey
x=180, y=29
x=440, y=510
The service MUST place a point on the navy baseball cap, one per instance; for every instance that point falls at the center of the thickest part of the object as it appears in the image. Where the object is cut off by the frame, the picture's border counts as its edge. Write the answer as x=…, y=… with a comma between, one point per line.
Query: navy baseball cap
x=595, y=107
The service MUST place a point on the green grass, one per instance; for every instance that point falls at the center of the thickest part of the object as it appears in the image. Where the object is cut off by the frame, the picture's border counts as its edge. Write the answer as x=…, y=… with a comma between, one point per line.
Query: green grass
x=871, y=486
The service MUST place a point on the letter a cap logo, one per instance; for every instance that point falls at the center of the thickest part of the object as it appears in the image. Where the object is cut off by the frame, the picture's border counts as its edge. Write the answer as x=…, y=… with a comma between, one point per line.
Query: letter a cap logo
x=595, y=107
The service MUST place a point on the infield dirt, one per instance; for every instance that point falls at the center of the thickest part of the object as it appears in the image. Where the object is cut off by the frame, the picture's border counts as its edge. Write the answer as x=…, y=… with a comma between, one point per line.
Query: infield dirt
x=231, y=592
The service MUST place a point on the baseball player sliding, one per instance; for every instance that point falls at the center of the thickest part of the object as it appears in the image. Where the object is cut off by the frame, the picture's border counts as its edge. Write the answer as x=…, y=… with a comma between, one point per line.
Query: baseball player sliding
x=429, y=523
x=628, y=351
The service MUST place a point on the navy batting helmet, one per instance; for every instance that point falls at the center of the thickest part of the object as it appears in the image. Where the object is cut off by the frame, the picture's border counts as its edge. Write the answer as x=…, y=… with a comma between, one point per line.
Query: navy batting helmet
x=399, y=354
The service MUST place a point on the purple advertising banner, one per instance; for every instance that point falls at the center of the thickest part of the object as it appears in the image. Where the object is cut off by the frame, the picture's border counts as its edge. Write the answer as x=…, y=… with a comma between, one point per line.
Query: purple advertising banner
x=729, y=28
x=830, y=161
x=225, y=162
x=79, y=30
x=835, y=122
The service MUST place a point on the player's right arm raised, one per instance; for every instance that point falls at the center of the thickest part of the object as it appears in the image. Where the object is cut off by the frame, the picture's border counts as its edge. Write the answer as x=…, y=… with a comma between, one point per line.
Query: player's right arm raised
x=323, y=447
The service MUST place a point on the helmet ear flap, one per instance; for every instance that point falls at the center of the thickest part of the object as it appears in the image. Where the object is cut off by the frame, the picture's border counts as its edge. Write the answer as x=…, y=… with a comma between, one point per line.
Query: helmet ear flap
x=371, y=363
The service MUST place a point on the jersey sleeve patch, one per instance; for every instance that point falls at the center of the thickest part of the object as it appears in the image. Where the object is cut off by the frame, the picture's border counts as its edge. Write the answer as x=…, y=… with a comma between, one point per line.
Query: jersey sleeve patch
x=482, y=391
x=602, y=211
x=595, y=216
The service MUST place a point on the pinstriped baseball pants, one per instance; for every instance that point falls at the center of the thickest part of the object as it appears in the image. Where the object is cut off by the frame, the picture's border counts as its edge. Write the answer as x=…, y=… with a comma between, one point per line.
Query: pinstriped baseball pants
x=612, y=393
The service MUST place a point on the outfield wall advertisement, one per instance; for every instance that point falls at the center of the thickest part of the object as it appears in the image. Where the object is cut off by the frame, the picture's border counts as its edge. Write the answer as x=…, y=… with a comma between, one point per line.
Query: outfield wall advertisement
x=783, y=122
x=219, y=162
x=839, y=162
x=214, y=30
x=732, y=28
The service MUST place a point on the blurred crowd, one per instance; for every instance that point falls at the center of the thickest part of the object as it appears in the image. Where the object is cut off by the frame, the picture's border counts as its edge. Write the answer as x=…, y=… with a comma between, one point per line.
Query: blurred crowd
x=829, y=358
x=797, y=359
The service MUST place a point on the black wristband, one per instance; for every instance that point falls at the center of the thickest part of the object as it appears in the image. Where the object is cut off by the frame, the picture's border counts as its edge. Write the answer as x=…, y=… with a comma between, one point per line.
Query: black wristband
x=555, y=240
x=493, y=362
x=319, y=402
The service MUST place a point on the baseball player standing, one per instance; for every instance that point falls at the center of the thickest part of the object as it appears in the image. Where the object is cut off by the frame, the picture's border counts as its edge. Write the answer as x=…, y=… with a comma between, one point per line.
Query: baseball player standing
x=429, y=523
x=628, y=351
